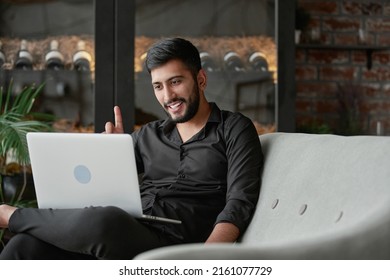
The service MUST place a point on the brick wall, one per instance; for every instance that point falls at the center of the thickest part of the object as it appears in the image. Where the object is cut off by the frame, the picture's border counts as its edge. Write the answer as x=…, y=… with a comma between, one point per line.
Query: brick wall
x=336, y=90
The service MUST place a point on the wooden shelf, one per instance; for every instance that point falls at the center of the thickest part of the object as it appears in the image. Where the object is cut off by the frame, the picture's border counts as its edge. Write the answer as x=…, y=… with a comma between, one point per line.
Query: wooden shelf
x=343, y=47
x=369, y=49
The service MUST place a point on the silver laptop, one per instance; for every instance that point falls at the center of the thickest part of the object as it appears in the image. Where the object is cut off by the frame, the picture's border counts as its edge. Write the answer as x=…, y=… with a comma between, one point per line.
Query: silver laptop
x=76, y=170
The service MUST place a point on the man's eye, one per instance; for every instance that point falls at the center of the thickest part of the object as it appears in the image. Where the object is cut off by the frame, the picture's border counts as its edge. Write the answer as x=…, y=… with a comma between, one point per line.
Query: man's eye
x=175, y=82
x=157, y=87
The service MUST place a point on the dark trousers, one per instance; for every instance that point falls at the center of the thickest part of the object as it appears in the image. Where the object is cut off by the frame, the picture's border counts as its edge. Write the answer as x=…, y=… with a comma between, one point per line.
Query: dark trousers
x=89, y=233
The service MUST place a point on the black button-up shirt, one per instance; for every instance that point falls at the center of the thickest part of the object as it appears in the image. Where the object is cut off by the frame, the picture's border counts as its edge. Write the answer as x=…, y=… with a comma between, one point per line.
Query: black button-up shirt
x=213, y=177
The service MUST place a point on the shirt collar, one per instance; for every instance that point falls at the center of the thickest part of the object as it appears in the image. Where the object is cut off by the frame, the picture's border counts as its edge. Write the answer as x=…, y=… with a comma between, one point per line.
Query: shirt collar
x=215, y=115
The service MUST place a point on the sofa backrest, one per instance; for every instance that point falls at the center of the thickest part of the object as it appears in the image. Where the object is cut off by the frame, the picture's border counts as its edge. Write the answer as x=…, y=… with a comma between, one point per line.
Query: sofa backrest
x=316, y=185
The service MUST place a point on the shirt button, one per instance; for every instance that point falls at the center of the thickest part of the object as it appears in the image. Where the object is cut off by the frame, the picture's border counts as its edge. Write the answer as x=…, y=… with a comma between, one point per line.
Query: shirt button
x=182, y=176
x=182, y=154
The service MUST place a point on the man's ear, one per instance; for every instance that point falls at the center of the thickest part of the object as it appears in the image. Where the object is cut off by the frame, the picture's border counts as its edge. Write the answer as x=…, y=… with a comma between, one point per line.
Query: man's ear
x=202, y=79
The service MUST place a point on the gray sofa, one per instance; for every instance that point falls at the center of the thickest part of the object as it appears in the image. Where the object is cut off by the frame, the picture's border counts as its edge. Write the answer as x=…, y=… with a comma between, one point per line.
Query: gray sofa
x=322, y=197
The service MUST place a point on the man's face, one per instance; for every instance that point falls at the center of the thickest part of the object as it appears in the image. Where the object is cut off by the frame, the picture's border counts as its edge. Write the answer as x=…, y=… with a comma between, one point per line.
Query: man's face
x=176, y=90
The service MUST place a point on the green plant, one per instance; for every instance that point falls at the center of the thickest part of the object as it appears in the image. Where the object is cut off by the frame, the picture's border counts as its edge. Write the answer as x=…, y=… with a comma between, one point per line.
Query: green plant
x=16, y=120
x=315, y=128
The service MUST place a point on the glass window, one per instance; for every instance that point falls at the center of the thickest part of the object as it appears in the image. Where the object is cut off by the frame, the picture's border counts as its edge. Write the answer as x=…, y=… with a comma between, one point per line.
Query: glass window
x=51, y=42
x=237, y=43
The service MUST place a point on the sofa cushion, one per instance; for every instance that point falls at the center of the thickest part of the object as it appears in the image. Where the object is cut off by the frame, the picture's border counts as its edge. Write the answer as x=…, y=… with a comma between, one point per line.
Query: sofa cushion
x=318, y=185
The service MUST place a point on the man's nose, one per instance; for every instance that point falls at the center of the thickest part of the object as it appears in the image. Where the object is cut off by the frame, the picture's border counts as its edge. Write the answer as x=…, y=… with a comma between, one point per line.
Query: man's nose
x=169, y=94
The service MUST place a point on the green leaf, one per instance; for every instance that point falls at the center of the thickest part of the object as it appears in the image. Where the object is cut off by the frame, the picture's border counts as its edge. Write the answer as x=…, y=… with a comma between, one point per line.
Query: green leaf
x=16, y=120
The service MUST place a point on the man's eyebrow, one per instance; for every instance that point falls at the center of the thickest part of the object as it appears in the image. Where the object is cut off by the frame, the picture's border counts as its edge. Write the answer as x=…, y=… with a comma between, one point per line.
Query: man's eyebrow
x=169, y=79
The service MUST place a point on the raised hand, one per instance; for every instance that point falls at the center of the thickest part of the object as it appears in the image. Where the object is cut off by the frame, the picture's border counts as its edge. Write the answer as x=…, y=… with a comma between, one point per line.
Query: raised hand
x=118, y=127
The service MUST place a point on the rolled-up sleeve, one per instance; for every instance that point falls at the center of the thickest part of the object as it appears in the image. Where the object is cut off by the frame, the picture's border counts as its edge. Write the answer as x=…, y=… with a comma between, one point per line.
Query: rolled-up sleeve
x=245, y=161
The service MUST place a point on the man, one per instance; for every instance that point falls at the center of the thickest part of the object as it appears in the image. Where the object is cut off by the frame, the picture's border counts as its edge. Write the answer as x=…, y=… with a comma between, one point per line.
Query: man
x=201, y=166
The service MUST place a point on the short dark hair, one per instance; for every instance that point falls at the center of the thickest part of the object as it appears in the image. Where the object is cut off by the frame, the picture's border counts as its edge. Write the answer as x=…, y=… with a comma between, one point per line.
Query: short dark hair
x=173, y=48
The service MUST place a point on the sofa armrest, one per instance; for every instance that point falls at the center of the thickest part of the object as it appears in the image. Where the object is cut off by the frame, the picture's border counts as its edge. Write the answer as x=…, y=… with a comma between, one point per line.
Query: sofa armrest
x=369, y=240
x=338, y=249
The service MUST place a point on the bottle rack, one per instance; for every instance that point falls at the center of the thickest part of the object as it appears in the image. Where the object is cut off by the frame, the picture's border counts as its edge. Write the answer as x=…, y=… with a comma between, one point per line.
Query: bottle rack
x=67, y=76
x=67, y=94
x=234, y=63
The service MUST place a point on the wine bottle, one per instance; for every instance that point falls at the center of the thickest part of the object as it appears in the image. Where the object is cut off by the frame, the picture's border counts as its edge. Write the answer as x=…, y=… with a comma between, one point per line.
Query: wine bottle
x=258, y=62
x=208, y=62
x=233, y=62
x=54, y=58
x=24, y=59
x=82, y=59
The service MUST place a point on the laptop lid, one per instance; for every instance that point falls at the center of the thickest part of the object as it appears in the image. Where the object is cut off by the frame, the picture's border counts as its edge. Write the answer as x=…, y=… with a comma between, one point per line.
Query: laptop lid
x=76, y=170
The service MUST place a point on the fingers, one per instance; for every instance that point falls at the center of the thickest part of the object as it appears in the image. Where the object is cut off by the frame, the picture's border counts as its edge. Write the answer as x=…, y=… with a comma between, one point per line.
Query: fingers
x=118, y=127
x=118, y=120
x=109, y=128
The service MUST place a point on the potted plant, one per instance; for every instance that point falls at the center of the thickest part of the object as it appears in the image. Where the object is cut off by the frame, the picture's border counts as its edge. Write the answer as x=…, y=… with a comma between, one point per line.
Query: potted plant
x=16, y=120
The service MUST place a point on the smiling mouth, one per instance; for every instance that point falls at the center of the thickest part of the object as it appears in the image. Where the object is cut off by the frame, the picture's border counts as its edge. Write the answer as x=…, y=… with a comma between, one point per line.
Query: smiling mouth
x=175, y=105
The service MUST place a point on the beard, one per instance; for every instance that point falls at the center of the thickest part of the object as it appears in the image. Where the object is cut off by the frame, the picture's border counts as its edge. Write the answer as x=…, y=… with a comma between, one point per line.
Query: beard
x=192, y=107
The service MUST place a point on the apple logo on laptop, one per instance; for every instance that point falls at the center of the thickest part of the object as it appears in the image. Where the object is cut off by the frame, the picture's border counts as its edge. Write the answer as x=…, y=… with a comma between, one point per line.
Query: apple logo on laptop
x=82, y=174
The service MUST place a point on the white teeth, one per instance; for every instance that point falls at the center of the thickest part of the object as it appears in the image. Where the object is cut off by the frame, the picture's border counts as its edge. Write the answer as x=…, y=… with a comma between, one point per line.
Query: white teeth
x=174, y=105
